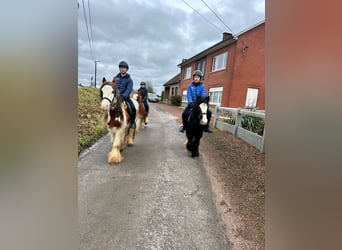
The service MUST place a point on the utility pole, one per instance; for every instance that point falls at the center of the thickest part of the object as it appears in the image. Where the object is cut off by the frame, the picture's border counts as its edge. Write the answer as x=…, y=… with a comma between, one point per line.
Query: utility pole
x=95, y=71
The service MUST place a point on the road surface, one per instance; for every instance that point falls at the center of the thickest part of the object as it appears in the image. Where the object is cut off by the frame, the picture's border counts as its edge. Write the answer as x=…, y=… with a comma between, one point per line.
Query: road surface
x=158, y=197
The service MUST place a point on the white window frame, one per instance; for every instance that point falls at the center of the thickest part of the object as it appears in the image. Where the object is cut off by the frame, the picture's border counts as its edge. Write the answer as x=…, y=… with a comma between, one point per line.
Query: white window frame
x=220, y=61
x=187, y=74
x=185, y=96
x=251, y=97
x=201, y=63
x=215, y=96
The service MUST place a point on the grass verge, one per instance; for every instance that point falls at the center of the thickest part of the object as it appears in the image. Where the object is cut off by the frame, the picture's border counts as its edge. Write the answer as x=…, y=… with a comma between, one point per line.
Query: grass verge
x=90, y=117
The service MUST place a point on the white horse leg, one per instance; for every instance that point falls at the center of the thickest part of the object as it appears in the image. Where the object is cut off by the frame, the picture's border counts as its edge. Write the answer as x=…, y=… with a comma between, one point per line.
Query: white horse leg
x=114, y=155
x=138, y=124
x=111, y=137
x=123, y=138
x=131, y=134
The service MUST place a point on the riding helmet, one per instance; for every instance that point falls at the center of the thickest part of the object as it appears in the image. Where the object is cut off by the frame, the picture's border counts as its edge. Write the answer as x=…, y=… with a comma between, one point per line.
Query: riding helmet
x=123, y=64
x=143, y=83
x=198, y=73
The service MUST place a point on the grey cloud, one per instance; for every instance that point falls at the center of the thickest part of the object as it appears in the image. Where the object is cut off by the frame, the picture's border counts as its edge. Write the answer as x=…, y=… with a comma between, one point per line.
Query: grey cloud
x=153, y=38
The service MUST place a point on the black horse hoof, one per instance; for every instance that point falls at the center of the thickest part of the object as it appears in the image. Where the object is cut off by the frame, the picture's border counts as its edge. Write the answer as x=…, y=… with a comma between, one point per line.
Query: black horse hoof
x=195, y=154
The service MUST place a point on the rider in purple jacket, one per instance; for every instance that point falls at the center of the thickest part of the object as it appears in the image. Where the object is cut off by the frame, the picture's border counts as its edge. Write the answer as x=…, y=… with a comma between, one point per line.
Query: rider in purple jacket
x=195, y=88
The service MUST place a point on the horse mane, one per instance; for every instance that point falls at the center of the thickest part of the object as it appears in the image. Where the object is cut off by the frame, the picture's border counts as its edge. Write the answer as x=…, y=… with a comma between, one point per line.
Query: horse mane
x=202, y=99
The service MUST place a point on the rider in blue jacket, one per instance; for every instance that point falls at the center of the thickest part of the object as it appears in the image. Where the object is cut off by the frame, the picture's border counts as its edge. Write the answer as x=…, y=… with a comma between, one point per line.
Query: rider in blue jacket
x=195, y=88
x=125, y=86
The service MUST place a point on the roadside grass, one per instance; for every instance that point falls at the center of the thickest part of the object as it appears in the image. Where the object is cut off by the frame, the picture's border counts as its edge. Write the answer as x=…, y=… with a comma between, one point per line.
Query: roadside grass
x=90, y=117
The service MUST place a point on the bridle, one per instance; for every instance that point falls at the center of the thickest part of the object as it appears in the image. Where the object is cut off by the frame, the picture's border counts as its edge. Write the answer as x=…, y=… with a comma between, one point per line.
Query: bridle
x=198, y=103
x=113, y=101
x=202, y=113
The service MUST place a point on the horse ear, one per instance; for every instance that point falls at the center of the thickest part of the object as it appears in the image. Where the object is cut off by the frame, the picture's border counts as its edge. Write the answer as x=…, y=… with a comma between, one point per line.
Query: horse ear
x=115, y=80
x=104, y=79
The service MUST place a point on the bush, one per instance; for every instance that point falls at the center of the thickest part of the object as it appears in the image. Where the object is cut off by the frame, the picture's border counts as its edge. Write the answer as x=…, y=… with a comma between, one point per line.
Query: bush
x=252, y=123
x=176, y=100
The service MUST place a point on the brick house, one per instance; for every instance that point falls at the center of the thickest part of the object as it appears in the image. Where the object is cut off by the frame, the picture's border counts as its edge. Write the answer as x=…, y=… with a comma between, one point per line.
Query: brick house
x=171, y=87
x=234, y=70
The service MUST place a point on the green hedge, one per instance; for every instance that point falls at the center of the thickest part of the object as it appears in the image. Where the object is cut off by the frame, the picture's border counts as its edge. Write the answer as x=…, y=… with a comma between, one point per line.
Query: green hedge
x=176, y=100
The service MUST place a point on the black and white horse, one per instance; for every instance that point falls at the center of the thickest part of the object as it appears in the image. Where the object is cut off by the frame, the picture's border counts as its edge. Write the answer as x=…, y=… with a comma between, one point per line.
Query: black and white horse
x=196, y=120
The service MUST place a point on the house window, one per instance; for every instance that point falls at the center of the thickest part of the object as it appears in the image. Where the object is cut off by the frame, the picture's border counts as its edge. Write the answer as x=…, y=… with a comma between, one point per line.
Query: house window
x=176, y=91
x=219, y=62
x=172, y=93
x=251, y=97
x=184, y=96
x=187, y=74
x=200, y=65
x=215, y=95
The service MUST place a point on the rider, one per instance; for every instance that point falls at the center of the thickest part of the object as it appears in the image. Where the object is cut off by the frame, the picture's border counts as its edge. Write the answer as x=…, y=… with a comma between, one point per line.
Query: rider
x=195, y=88
x=125, y=86
x=144, y=95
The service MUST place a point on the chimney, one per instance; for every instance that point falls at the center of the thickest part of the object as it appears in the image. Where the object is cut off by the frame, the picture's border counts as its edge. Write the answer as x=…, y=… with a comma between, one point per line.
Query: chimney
x=226, y=36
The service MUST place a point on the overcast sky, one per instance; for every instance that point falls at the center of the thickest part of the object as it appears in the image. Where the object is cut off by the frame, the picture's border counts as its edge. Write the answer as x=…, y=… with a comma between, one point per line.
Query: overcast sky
x=154, y=35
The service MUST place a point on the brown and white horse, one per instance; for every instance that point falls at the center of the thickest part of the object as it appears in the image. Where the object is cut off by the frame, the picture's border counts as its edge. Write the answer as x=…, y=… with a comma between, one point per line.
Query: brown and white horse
x=141, y=117
x=116, y=119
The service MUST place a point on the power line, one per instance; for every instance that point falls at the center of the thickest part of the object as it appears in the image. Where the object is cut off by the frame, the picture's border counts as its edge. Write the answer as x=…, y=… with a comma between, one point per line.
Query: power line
x=90, y=46
x=217, y=16
x=91, y=30
x=203, y=16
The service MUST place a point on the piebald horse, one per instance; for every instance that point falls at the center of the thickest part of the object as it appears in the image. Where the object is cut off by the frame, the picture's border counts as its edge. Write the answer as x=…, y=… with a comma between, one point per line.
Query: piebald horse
x=116, y=119
x=197, y=119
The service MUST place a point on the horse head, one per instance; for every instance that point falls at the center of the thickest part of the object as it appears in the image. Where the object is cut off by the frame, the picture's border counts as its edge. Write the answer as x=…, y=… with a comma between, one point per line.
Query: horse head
x=109, y=94
x=200, y=108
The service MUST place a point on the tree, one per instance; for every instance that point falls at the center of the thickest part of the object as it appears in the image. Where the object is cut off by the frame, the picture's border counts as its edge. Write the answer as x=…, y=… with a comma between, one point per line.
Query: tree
x=149, y=87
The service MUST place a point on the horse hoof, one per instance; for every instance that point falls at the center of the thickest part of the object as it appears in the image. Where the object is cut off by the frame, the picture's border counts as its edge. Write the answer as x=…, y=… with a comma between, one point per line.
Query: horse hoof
x=114, y=160
x=195, y=154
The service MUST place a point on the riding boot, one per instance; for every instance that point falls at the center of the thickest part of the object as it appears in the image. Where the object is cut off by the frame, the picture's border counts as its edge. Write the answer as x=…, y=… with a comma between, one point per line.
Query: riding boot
x=132, y=123
x=183, y=127
x=207, y=129
x=146, y=119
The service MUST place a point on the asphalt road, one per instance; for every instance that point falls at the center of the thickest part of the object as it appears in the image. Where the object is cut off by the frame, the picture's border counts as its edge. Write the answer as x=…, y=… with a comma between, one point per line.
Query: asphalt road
x=157, y=198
